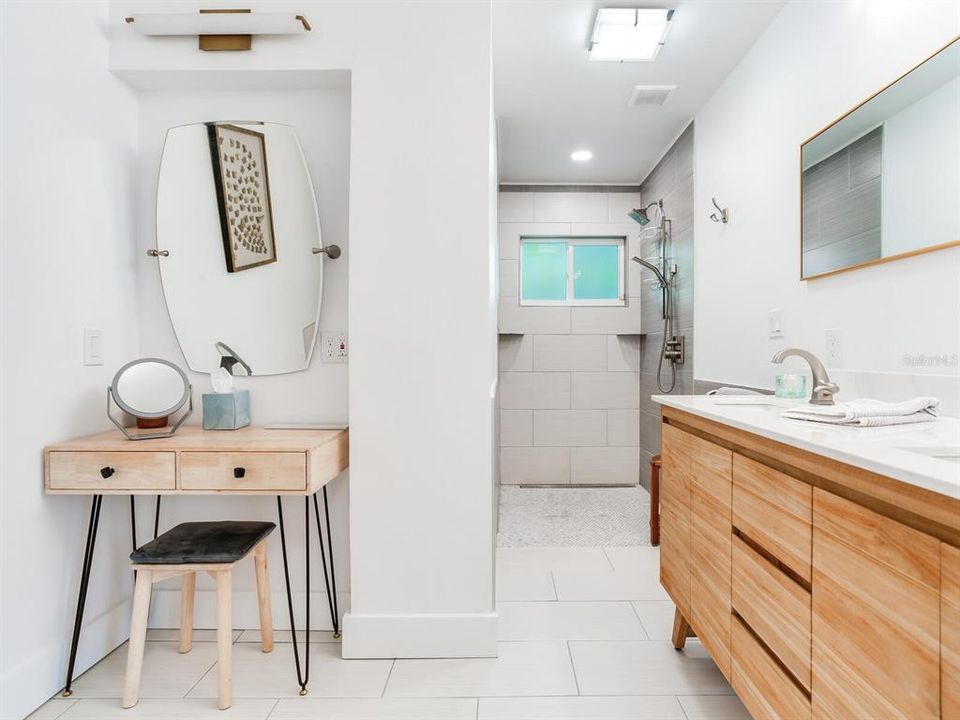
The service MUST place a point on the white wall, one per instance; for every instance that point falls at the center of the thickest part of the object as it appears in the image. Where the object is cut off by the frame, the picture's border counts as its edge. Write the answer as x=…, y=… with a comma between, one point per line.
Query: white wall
x=921, y=172
x=421, y=305
x=69, y=142
x=814, y=62
x=321, y=117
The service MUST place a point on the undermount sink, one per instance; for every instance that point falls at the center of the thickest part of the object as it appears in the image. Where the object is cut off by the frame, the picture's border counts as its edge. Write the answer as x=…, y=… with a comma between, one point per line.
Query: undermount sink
x=946, y=453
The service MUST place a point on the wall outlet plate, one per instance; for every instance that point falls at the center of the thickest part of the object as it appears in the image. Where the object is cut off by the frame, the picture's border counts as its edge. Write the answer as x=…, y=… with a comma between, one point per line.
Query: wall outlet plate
x=834, y=354
x=775, y=323
x=333, y=347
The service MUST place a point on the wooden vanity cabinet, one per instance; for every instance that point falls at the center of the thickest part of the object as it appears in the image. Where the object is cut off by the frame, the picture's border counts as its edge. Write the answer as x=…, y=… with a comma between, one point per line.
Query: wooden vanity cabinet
x=949, y=632
x=813, y=603
x=876, y=614
x=675, y=473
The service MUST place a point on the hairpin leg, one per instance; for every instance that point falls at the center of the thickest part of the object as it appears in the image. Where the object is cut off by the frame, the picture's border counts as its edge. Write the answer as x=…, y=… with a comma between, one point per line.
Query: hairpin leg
x=84, y=582
x=304, y=677
x=331, y=581
x=156, y=517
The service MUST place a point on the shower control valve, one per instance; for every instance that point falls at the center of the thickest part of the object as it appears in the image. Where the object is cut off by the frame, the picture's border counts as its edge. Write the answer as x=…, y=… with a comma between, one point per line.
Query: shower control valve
x=674, y=350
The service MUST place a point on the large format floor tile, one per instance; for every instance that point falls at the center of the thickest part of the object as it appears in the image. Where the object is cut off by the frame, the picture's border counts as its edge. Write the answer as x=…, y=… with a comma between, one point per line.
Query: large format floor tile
x=199, y=635
x=166, y=673
x=521, y=668
x=52, y=709
x=518, y=586
x=639, y=560
x=657, y=617
x=713, y=707
x=581, y=708
x=607, y=585
x=258, y=674
x=170, y=709
x=527, y=559
x=568, y=621
x=283, y=636
x=645, y=668
x=376, y=709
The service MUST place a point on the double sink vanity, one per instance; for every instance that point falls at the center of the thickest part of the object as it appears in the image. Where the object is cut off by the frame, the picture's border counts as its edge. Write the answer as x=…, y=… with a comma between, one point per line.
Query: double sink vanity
x=819, y=565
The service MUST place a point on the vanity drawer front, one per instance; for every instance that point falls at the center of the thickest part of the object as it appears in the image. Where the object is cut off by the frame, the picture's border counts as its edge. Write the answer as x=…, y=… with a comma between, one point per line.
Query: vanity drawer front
x=775, y=607
x=134, y=470
x=765, y=689
x=775, y=511
x=260, y=471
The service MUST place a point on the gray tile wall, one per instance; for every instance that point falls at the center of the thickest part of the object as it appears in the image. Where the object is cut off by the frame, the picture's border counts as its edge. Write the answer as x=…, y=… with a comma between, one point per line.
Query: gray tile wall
x=841, y=207
x=569, y=377
x=671, y=180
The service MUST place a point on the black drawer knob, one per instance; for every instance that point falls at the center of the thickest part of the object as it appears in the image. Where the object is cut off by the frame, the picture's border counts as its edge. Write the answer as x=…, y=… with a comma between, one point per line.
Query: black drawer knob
x=106, y=472
x=239, y=472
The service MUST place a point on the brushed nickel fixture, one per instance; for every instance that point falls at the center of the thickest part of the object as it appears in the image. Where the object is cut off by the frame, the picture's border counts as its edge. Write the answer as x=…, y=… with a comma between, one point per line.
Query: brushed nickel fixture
x=153, y=252
x=672, y=347
x=724, y=215
x=823, y=390
x=221, y=28
x=331, y=251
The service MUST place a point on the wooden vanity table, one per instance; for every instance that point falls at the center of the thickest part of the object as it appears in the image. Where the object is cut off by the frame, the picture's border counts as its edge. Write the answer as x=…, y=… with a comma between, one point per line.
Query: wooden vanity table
x=822, y=589
x=250, y=461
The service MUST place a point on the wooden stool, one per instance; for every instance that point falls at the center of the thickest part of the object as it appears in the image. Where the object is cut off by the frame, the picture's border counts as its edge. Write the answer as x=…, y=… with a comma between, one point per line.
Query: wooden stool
x=212, y=547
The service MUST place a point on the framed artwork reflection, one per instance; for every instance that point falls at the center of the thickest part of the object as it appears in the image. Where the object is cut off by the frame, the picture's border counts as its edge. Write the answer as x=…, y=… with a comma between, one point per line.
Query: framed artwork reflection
x=239, y=157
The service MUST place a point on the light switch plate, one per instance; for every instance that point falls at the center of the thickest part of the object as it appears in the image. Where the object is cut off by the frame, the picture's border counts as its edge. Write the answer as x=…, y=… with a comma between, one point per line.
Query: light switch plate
x=333, y=347
x=775, y=323
x=92, y=346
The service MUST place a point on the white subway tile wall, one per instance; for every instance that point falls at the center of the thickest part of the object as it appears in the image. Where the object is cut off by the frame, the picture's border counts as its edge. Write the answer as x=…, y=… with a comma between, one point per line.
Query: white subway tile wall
x=569, y=377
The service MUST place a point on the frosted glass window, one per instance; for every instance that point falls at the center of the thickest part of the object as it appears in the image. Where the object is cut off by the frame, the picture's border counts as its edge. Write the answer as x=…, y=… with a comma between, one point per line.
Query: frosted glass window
x=571, y=271
x=596, y=272
x=544, y=270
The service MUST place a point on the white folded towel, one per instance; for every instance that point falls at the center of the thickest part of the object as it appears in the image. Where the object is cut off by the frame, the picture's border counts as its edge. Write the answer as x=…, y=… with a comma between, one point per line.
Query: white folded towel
x=868, y=413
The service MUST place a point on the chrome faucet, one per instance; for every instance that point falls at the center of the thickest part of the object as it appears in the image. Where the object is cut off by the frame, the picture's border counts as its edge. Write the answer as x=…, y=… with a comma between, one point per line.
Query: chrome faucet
x=823, y=389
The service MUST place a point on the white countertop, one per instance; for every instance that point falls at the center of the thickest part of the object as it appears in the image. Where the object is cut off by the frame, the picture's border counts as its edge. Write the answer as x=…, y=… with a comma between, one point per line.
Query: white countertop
x=895, y=451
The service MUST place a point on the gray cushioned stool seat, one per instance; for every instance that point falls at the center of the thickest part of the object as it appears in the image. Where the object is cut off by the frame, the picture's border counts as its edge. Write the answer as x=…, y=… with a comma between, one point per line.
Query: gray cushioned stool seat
x=225, y=541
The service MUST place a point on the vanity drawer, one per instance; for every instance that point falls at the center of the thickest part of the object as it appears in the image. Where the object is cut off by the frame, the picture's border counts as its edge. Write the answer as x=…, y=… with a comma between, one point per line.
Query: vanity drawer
x=134, y=470
x=765, y=689
x=260, y=471
x=775, y=511
x=775, y=607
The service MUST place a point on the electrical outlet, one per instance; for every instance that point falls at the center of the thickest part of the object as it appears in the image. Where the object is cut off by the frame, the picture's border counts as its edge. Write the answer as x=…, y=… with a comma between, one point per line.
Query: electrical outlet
x=92, y=346
x=834, y=347
x=334, y=347
x=775, y=323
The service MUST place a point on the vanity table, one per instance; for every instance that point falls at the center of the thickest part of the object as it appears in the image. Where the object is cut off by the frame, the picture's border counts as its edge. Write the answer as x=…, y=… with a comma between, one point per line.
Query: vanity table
x=819, y=565
x=250, y=461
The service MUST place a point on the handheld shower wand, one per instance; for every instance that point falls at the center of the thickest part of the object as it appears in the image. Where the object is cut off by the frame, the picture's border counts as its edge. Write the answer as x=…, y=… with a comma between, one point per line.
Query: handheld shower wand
x=672, y=346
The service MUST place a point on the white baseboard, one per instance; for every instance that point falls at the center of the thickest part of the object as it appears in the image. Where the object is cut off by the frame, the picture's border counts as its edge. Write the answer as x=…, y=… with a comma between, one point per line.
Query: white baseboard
x=165, y=609
x=419, y=636
x=30, y=682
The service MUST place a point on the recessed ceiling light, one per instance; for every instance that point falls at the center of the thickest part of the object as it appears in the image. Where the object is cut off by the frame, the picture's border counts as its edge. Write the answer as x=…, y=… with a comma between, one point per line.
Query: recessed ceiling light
x=581, y=155
x=626, y=34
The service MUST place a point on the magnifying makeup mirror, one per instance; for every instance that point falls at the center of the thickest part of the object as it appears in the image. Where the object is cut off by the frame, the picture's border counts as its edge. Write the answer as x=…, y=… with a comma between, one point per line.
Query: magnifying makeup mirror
x=151, y=390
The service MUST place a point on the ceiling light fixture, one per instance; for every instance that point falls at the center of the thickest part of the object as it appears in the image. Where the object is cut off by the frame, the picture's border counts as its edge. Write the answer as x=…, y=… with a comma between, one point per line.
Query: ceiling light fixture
x=629, y=34
x=581, y=155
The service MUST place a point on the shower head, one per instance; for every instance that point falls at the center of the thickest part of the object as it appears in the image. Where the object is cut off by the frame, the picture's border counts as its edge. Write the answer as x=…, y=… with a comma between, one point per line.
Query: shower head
x=642, y=216
x=653, y=268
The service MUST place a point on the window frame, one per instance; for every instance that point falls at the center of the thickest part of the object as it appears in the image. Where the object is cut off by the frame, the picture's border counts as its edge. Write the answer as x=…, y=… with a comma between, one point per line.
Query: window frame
x=573, y=241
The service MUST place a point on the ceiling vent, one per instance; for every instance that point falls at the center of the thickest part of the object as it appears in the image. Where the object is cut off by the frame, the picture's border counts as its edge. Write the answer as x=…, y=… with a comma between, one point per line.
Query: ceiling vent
x=650, y=95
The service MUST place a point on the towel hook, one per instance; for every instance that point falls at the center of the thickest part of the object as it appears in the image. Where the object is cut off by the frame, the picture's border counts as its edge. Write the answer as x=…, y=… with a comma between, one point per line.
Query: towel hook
x=724, y=215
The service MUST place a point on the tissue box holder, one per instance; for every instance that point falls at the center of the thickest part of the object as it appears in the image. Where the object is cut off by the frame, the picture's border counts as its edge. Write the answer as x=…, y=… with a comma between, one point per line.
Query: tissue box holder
x=226, y=411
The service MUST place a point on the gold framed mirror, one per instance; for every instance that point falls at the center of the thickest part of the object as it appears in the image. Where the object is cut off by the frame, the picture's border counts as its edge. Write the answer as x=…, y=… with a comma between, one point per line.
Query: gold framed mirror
x=882, y=181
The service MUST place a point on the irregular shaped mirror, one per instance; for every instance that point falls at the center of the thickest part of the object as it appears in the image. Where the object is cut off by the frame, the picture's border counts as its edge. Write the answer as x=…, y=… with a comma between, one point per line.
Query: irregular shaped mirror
x=238, y=242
